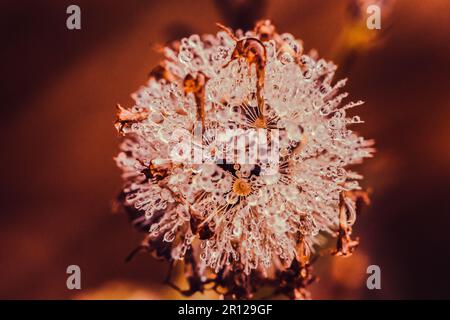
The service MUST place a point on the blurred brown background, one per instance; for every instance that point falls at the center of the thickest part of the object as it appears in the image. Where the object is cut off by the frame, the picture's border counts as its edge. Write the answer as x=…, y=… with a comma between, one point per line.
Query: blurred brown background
x=58, y=180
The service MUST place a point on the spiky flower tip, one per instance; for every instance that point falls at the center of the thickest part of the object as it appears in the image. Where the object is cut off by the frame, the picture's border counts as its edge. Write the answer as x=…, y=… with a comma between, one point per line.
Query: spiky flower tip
x=235, y=160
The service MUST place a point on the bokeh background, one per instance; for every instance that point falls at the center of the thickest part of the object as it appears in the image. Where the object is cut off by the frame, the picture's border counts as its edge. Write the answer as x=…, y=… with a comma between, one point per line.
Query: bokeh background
x=59, y=89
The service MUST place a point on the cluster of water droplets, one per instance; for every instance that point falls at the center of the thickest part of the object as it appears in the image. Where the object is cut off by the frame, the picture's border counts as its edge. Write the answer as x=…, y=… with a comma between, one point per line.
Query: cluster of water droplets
x=293, y=199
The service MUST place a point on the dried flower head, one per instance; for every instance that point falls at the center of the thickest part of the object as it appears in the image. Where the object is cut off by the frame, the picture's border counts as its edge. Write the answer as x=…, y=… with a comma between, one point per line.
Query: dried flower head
x=235, y=160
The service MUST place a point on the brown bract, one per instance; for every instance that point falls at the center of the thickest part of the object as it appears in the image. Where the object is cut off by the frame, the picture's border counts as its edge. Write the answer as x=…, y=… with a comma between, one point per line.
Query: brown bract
x=126, y=117
x=196, y=85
